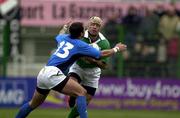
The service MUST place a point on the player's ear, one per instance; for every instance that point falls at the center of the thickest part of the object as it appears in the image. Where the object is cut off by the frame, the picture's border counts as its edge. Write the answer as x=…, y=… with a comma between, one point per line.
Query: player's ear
x=82, y=34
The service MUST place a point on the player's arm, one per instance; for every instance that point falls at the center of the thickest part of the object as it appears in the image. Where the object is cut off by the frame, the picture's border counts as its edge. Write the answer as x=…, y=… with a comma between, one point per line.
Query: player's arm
x=87, y=50
x=99, y=63
x=65, y=27
x=118, y=48
x=106, y=53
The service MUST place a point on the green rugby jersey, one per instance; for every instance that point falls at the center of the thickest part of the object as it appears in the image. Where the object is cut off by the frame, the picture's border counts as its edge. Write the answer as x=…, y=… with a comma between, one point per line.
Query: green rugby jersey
x=102, y=43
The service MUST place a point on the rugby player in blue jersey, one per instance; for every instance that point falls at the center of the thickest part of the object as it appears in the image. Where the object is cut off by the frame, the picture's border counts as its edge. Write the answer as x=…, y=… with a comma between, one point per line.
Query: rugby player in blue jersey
x=52, y=76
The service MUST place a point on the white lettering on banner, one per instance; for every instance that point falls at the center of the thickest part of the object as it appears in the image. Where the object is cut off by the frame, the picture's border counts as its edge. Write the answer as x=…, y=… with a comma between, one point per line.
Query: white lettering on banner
x=13, y=92
x=116, y=90
x=12, y=96
x=145, y=91
x=134, y=90
x=169, y=91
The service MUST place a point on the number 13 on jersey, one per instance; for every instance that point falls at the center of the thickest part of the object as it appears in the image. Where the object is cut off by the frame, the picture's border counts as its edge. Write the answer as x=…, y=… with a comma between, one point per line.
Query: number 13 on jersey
x=65, y=47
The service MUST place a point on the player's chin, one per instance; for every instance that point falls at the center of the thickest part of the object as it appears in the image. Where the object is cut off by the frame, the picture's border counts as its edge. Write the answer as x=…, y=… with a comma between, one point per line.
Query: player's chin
x=94, y=33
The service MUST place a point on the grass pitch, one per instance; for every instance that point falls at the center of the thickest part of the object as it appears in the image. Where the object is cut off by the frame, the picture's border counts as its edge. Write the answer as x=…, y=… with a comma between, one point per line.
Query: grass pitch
x=93, y=113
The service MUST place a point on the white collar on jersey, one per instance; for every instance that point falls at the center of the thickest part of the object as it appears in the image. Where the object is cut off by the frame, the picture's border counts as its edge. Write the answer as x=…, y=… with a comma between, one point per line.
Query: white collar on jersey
x=101, y=36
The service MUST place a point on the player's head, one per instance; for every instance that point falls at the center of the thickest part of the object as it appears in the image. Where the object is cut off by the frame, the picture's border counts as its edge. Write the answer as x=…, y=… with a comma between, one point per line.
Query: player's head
x=94, y=25
x=76, y=30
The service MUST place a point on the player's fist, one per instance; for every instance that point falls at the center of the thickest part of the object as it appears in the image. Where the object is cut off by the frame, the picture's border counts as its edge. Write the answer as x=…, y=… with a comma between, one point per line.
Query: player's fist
x=121, y=47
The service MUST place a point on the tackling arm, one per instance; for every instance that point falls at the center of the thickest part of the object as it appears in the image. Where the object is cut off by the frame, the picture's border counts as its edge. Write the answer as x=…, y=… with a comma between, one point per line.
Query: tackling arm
x=65, y=28
x=105, y=53
x=119, y=47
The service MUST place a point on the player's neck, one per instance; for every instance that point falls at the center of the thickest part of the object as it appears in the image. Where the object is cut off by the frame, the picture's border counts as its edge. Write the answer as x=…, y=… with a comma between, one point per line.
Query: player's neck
x=93, y=37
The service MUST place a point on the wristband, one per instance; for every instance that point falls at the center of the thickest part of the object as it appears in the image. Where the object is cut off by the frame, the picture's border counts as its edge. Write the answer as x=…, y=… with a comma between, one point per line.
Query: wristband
x=65, y=27
x=116, y=49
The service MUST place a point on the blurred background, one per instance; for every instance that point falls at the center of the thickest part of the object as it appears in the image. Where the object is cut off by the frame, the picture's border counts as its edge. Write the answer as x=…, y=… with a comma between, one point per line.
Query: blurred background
x=145, y=77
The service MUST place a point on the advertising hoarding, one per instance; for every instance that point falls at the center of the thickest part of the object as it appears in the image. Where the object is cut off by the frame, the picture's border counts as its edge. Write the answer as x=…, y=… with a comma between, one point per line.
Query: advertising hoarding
x=113, y=93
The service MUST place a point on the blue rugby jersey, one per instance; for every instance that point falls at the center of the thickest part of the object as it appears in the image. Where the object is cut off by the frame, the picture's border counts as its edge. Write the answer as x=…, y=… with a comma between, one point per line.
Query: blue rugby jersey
x=69, y=50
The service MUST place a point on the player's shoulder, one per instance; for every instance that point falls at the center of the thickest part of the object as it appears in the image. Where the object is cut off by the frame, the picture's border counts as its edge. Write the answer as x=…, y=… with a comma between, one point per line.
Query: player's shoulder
x=103, y=43
x=61, y=35
x=101, y=36
x=81, y=43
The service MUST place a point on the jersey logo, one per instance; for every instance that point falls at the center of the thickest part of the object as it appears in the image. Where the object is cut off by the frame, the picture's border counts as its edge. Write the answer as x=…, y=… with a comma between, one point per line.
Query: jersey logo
x=65, y=46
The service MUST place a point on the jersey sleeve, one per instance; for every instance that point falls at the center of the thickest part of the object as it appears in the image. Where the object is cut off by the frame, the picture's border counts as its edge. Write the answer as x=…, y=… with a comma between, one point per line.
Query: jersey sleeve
x=60, y=37
x=88, y=50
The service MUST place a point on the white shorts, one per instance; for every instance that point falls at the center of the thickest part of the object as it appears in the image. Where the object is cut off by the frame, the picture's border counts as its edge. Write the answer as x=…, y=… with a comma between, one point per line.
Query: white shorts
x=89, y=76
x=49, y=77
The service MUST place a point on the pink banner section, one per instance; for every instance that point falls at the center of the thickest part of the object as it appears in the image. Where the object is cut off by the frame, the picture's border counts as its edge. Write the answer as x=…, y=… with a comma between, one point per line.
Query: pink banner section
x=58, y=12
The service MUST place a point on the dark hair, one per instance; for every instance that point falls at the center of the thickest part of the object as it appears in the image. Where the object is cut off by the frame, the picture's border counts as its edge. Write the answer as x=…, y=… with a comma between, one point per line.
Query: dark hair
x=76, y=29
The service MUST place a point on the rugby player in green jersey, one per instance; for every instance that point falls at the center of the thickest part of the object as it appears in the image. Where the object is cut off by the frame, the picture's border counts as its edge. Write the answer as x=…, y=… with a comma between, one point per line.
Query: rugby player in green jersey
x=87, y=70
x=87, y=73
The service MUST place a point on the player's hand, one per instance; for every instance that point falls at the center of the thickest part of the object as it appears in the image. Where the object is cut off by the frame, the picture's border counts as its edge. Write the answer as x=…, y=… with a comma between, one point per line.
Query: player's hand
x=68, y=24
x=121, y=47
x=65, y=27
